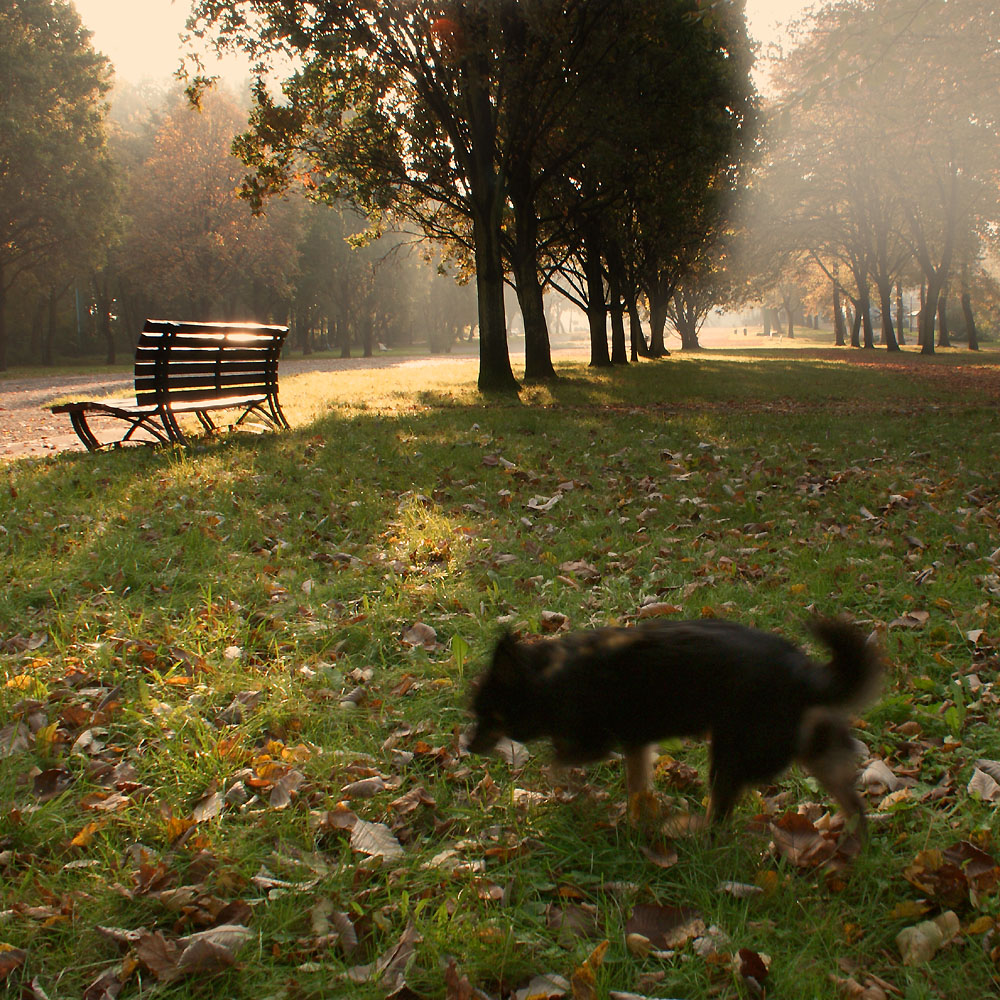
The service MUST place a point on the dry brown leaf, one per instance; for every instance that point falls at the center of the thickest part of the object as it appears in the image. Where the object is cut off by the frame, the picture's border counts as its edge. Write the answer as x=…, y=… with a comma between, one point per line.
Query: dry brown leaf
x=421, y=635
x=375, y=839
x=208, y=807
x=797, y=839
x=919, y=944
x=665, y=926
x=10, y=959
x=659, y=609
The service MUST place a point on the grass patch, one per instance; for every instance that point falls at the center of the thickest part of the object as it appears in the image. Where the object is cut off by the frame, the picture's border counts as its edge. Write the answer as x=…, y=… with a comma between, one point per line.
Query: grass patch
x=234, y=676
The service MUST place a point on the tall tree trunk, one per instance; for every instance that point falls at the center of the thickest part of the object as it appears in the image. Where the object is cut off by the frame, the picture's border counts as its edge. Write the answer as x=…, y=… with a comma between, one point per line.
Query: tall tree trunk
x=865, y=309
x=839, y=329
x=102, y=304
x=616, y=269
x=970, y=320
x=944, y=335
x=3, y=321
x=900, y=318
x=49, y=336
x=856, y=324
x=658, y=303
x=885, y=302
x=524, y=264
x=928, y=311
x=495, y=374
x=596, y=309
x=537, y=348
x=639, y=347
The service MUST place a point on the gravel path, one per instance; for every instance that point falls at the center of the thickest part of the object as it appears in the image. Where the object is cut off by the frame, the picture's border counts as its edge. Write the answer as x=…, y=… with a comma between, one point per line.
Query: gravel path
x=27, y=428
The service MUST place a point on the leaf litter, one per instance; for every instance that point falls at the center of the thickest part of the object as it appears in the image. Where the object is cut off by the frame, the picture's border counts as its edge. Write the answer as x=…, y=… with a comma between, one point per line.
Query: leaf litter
x=406, y=812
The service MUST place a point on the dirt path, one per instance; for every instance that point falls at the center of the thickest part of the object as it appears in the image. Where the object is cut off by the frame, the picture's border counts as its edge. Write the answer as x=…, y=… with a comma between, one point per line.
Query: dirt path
x=27, y=428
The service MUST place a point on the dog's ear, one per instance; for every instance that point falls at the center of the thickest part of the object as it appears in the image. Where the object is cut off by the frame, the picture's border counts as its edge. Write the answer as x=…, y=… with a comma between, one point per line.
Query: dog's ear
x=508, y=665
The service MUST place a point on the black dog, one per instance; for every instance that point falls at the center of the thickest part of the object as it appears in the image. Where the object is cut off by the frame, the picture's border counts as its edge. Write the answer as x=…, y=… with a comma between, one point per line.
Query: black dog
x=764, y=702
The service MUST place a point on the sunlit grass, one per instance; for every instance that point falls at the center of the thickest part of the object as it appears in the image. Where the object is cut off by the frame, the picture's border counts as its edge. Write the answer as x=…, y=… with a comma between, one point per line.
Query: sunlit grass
x=212, y=616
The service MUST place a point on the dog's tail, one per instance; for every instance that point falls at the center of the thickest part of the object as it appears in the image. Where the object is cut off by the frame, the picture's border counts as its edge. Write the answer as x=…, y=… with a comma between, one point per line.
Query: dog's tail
x=853, y=674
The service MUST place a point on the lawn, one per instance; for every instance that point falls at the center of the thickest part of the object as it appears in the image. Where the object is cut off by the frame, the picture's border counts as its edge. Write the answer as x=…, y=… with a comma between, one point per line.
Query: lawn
x=233, y=680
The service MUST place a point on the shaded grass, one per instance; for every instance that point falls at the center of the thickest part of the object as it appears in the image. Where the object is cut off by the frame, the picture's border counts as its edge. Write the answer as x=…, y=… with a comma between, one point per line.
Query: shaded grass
x=745, y=486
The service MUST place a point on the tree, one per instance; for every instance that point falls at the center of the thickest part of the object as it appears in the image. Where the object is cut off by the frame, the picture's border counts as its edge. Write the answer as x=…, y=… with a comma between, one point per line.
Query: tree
x=887, y=145
x=399, y=103
x=56, y=187
x=201, y=252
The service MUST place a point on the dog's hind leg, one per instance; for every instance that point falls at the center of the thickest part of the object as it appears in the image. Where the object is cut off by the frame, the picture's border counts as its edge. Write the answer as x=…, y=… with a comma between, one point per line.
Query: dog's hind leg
x=829, y=754
x=725, y=792
x=639, y=769
x=639, y=782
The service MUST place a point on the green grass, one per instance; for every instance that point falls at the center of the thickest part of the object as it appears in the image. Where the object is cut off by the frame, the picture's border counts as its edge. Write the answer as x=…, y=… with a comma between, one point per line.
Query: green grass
x=180, y=623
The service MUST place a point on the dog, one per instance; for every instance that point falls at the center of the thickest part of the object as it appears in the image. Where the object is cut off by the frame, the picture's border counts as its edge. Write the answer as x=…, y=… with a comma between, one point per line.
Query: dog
x=763, y=701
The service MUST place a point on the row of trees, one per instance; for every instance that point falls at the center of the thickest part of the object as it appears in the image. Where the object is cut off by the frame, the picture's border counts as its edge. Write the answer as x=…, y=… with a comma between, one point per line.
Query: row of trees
x=882, y=169
x=587, y=148
x=110, y=215
x=591, y=145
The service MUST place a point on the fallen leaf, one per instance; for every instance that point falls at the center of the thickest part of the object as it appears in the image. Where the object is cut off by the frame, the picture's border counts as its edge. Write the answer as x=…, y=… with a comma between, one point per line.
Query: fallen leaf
x=583, y=982
x=659, y=609
x=375, y=840
x=10, y=959
x=920, y=943
x=665, y=927
x=542, y=505
x=421, y=635
x=797, y=839
x=545, y=987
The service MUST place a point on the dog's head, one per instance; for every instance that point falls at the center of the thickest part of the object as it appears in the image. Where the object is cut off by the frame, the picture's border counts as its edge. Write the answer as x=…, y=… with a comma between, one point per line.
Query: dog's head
x=501, y=699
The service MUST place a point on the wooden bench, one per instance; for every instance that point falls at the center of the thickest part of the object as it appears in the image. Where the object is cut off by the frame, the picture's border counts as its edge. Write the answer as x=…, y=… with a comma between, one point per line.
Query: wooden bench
x=190, y=368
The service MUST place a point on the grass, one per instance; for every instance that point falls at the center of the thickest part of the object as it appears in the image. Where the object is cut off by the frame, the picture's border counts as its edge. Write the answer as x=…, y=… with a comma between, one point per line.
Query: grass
x=211, y=683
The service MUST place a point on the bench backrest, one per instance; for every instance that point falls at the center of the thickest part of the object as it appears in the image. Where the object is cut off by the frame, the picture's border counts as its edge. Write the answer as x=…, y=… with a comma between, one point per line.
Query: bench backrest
x=177, y=362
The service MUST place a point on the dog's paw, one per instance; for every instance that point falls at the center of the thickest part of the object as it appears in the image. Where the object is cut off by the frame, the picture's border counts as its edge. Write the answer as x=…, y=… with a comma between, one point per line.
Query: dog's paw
x=644, y=808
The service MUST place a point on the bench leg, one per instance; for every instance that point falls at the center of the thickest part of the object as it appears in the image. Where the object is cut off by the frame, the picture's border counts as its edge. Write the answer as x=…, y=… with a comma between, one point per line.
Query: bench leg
x=83, y=431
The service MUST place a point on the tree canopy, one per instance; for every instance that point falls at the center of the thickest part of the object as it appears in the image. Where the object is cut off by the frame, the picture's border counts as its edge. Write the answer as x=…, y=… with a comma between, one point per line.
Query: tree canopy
x=469, y=115
x=55, y=173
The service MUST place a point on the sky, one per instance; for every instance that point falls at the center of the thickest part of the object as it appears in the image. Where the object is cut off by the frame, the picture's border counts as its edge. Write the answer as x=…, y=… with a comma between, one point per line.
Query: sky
x=141, y=36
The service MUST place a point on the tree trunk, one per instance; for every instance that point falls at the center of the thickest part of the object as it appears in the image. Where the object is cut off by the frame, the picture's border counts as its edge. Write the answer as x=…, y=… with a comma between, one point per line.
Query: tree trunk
x=524, y=263
x=638, y=344
x=659, y=301
x=596, y=309
x=885, y=301
x=970, y=320
x=839, y=329
x=616, y=267
x=3, y=321
x=495, y=374
x=944, y=335
x=928, y=310
x=900, y=318
x=865, y=309
x=102, y=303
x=49, y=336
x=856, y=324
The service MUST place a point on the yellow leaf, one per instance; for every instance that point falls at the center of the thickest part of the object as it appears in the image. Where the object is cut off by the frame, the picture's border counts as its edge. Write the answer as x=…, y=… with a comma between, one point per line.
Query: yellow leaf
x=584, y=979
x=177, y=826
x=909, y=909
x=46, y=736
x=297, y=754
x=86, y=836
x=31, y=686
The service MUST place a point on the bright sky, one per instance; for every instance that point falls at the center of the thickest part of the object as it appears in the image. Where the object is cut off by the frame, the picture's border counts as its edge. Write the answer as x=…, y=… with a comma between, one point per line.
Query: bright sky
x=141, y=36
